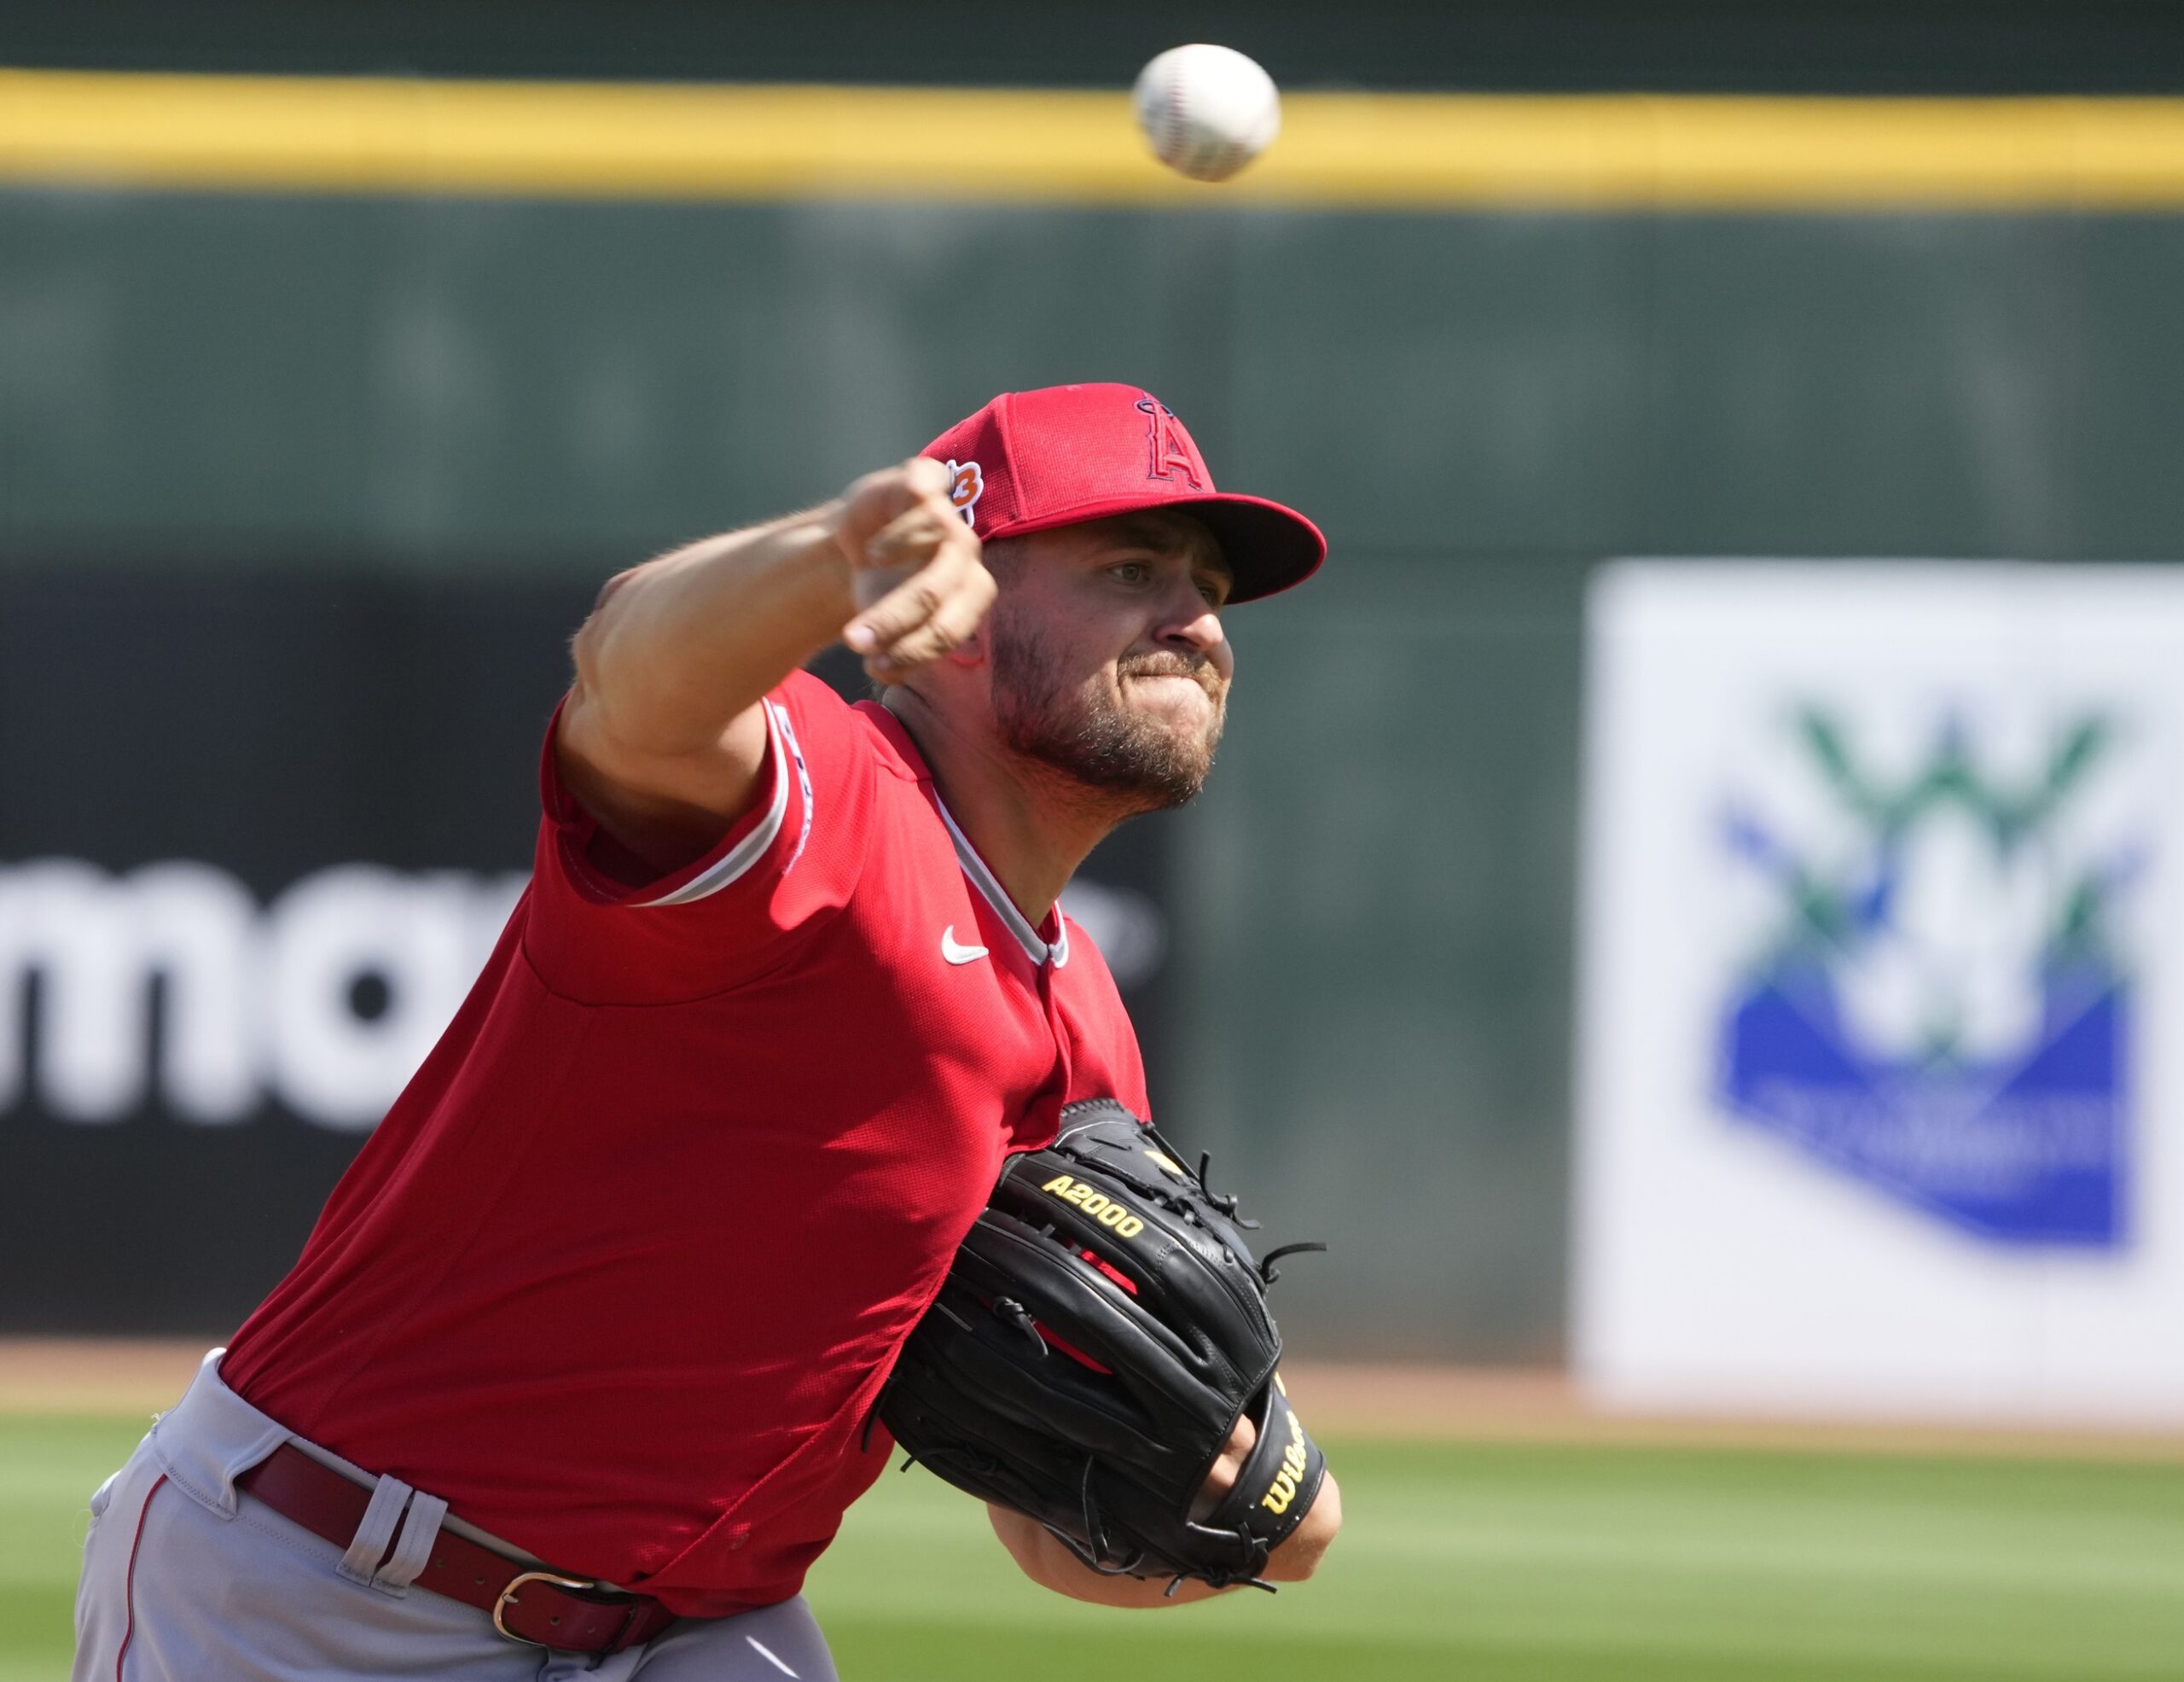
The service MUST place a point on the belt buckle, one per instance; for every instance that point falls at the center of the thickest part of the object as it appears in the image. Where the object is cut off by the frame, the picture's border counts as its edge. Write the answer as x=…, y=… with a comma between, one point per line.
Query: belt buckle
x=507, y=1598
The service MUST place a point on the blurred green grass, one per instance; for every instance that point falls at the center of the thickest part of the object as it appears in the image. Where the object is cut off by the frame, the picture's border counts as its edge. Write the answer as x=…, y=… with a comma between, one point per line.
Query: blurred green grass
x=1496, y=1564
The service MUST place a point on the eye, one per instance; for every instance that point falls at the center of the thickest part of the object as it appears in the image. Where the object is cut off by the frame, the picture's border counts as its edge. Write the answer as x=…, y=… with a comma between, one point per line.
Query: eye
x=1132, y=572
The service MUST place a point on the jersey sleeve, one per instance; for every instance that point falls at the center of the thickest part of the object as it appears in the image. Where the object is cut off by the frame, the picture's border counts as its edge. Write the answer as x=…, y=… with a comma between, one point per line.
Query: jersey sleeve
x=598, y=931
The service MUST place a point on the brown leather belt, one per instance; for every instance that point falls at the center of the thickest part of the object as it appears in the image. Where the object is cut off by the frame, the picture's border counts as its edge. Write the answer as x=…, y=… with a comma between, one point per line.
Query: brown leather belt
x=542, y=1608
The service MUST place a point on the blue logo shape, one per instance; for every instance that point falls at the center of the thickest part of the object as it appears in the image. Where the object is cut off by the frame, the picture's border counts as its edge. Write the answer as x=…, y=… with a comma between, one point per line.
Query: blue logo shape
x=1941, y=1008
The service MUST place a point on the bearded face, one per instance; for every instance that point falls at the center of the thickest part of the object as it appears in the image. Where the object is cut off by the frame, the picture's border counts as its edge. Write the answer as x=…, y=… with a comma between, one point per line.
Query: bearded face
x=1112, y=730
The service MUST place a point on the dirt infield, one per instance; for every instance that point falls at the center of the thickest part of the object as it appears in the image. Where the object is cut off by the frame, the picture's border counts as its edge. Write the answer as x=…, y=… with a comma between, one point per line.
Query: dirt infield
x=1505, y=1404
x=65, y=1374
x=1448, y=1403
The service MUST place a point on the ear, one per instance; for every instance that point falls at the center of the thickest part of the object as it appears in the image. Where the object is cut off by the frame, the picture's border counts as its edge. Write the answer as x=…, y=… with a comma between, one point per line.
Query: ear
x=971, y=651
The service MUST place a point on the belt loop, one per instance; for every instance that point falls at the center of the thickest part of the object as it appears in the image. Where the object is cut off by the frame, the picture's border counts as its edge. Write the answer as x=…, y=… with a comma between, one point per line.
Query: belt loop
x=375, y=1531
x=413, y=1548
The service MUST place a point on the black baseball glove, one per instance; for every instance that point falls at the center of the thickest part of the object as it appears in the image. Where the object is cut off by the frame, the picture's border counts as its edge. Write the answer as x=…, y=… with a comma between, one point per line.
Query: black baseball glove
x=1101, y=1330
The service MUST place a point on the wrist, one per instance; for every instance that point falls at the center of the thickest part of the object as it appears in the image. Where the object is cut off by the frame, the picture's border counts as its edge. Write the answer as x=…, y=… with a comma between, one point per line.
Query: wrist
x=1299, y=1553
x=822, y=564
x=827, y=522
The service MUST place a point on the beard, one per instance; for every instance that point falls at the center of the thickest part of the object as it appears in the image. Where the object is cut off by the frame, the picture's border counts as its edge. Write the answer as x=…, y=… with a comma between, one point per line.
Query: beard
x=1088, y=734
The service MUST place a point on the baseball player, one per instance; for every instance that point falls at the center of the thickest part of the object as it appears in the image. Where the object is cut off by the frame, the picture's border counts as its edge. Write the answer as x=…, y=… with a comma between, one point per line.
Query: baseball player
x=577, y=1372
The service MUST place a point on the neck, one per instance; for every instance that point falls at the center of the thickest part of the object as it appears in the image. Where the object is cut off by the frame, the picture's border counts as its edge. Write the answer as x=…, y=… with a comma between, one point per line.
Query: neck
x=1033, y=824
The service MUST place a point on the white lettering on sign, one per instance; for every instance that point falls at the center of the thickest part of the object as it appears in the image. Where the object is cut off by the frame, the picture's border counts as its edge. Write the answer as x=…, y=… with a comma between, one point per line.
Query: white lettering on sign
x=254, y=1003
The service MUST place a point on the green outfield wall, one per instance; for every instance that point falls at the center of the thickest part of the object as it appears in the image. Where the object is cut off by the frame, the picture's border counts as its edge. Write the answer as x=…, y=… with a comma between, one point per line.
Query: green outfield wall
x=1371, y=947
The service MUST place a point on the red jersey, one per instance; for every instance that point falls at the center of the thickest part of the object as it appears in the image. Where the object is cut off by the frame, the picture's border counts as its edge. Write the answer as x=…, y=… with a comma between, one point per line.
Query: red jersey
x=620, y=1274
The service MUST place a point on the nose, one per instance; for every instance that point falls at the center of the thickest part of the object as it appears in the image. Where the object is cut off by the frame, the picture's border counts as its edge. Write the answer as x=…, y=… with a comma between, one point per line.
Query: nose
x=1193, y=624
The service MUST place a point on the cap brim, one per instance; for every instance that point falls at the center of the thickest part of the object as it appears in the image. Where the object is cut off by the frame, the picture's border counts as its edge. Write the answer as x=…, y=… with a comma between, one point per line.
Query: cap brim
x=1268, y=548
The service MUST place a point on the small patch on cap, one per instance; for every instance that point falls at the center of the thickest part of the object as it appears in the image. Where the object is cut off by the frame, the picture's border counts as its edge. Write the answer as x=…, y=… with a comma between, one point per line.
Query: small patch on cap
x=966, y=485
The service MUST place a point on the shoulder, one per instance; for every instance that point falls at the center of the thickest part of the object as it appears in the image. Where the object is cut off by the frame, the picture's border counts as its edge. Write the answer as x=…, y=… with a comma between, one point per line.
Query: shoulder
x=796, y=857
x=820, y=722
x=812, y=710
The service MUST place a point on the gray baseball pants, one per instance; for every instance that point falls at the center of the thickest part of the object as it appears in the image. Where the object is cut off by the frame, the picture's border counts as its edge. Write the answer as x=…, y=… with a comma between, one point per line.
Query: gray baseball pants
x=186, y=1578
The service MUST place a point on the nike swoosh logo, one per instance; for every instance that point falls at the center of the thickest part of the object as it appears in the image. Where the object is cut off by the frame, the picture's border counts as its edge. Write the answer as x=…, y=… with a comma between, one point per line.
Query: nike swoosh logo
x=956, y=954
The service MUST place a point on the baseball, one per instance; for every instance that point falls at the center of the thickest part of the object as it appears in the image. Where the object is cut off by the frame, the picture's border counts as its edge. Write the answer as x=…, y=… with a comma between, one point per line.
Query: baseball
x=1206, y=111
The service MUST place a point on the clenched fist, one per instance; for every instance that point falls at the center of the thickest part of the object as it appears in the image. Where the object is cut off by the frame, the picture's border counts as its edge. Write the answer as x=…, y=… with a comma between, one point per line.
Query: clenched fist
x=920, y=586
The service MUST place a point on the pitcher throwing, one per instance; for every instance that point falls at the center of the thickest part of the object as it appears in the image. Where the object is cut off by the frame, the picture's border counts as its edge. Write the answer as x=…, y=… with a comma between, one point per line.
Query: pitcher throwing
x=577, y=1371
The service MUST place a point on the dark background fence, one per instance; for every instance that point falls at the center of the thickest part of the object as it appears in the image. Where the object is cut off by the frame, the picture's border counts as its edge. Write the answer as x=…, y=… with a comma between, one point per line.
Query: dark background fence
x=300, y=499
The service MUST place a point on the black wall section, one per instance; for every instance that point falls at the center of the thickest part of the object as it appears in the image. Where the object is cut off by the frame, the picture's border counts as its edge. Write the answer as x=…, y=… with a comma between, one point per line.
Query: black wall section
x=1856, y=46
x=269, y=731
x=276, y=726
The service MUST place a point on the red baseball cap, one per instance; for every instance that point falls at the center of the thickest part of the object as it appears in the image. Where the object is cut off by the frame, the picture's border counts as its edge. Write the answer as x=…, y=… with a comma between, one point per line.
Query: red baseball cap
x=1030, y=460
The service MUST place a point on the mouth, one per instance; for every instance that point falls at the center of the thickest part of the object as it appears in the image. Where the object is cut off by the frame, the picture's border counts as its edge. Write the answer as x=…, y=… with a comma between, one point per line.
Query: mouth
x=1199, y=678
x=1165, y=684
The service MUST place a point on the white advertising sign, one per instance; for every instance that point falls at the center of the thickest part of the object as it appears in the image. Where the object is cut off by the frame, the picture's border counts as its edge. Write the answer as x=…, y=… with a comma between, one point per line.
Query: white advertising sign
x=1881, y=1035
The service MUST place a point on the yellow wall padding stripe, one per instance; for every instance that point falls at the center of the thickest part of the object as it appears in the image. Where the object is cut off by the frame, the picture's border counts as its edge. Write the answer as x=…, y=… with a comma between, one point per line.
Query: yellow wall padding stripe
x=1416, y=151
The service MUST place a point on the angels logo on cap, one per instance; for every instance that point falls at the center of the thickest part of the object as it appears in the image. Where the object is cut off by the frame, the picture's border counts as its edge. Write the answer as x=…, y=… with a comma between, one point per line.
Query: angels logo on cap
x=1169, y=456
x=1031, y=461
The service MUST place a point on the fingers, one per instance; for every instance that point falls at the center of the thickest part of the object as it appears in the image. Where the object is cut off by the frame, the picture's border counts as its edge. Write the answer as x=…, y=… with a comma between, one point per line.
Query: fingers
x=879, y=499
x=920, y=585
x=1226, y=1468
x=921, y=619
x=911, y=538
x=1241, y=1441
